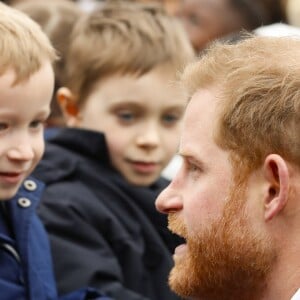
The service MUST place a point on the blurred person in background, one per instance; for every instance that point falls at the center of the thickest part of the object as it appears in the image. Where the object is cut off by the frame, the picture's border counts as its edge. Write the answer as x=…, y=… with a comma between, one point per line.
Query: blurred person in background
x=292, y=10
x=207, y=20
x=171, y=6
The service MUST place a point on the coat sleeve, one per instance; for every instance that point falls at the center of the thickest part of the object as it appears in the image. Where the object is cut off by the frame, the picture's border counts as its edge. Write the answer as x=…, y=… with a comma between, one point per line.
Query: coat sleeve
x=81, y=236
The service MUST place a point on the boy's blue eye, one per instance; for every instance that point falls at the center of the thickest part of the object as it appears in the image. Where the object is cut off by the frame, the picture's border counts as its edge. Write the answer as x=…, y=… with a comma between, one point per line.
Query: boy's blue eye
x=126, y=116
x=170, y=119
x=3, y=126
x=36, y=124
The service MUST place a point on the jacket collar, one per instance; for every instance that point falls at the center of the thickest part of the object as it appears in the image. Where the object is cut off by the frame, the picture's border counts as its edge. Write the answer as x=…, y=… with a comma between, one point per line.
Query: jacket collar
x=21, y=209
x=87, y=142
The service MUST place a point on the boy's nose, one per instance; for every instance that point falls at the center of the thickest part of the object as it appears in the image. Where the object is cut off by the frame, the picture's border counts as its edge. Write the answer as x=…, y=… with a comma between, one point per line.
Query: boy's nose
x=168, y=201
x=148, y=137
x=22, y=151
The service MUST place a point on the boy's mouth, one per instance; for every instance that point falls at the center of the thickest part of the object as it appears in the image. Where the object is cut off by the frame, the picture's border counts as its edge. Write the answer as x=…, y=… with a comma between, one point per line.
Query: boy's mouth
x=11, y=177
x=144, y=167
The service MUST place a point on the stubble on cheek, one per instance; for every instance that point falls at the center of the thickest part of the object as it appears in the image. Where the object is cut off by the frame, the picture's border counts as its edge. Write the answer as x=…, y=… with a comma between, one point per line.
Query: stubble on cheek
x=176, y=226
x=227, y=260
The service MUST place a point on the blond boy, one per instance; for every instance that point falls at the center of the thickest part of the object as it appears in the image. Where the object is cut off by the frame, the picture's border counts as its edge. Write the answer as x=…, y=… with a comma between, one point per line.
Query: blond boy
x=26, y=86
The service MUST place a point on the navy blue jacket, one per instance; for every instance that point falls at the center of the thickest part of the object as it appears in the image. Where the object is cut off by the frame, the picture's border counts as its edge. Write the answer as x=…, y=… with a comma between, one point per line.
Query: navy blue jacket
x=26, y=270
x=104, y=232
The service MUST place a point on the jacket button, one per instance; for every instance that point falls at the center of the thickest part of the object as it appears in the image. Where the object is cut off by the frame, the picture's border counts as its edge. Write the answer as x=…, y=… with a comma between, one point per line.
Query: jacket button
x=30, y=185
x=24, y=202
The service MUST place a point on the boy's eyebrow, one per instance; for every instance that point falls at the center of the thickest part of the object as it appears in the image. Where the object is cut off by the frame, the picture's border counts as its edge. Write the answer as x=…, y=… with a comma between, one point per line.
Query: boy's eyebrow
x=126, y=103
x=142, y=105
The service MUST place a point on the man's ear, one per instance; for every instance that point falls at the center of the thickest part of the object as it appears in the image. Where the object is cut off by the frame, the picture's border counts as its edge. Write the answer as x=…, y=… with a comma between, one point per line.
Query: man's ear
x=68, y=105
x=277, y=175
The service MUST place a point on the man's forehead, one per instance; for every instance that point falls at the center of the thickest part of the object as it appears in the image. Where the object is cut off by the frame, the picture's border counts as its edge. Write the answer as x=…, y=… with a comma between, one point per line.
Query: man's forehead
x=206, y=96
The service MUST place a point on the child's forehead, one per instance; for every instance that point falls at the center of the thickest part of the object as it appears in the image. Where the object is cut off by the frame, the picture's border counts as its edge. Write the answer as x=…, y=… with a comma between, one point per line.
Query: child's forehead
x=7, y=77
x=155, y=90
x=165, y=72
x=124, y=86
x=27, y=97
x=11, y=77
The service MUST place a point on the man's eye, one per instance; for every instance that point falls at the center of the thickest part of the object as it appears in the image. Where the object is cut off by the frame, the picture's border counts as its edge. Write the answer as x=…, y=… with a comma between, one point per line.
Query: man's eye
x=3, y=126
x=193, y=168
x=194, y=171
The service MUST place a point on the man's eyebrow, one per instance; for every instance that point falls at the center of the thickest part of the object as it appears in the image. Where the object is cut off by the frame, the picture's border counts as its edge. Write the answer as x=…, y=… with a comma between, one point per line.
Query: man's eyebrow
x=190, y=158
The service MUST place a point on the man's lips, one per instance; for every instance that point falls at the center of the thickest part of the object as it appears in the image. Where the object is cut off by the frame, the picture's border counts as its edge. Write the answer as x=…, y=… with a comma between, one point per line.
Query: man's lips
x=180, y=251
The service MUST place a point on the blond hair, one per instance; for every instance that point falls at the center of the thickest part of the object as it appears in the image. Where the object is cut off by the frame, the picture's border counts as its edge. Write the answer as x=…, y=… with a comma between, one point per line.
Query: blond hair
x=56, y=18
x=127, y=38
x=259, y=99
x=23, y=45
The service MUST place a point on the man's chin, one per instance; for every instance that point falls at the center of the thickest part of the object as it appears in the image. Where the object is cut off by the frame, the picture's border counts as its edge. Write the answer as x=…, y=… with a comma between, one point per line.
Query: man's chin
x=179, y=278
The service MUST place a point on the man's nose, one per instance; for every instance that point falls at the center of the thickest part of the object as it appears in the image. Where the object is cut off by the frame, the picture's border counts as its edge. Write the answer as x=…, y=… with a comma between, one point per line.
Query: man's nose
x=168, y=201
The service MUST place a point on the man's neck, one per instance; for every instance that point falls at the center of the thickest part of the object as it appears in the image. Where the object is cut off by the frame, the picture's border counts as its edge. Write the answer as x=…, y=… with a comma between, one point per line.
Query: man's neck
x=284, y=280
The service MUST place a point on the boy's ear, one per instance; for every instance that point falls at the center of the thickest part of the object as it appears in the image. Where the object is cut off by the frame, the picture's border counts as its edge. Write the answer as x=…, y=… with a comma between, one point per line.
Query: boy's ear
x=277, y=175
x=68, y=105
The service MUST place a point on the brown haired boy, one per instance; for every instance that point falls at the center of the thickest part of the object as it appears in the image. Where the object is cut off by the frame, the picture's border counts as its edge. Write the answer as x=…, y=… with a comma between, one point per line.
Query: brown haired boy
x=103, y=172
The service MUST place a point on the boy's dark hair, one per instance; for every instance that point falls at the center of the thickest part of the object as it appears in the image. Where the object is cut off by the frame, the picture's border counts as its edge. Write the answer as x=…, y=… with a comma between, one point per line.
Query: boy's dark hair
x=126, y=38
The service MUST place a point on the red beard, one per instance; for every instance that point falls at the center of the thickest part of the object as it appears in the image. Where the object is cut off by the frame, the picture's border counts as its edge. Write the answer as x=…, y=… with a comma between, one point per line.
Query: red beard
x=228, y=260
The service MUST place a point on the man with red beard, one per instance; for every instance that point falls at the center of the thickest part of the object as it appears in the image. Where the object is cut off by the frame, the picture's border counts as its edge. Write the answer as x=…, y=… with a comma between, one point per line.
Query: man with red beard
x=236, y=198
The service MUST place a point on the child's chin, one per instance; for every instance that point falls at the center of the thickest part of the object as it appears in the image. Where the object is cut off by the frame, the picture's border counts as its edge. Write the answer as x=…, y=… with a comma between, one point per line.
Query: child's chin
x=142, y=180
x=7, y=194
